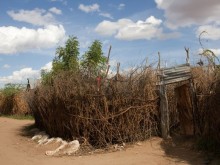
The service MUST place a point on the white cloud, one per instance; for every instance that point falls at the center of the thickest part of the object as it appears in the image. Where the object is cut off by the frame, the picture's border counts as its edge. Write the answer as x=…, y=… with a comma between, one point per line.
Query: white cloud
x=212, y=31
x=121, y=6
x=216, y=51
x=6, y=66
x=189, y=12
x=47, y=67
x=55, y=10
x=14, y=40
x=89, y=8
x=39, y=17
x=107, y=15
x=21, y=75
x=126, y=29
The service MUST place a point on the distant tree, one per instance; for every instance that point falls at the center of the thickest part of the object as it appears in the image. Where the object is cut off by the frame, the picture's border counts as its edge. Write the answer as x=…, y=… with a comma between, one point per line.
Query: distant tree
x=93, y=61
x=10, y=89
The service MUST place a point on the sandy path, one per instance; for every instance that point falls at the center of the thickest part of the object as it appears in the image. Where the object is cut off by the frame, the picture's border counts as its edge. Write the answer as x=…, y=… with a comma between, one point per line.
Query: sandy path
x=17, y=149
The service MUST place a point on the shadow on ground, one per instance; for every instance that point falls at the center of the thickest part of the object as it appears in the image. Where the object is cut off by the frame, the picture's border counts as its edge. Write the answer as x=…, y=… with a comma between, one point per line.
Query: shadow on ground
x=183, y=149
x=28, y=130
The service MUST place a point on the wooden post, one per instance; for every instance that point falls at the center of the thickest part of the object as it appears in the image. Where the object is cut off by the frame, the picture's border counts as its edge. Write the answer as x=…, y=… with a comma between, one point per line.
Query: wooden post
x=194, y=107
x=164, y=112
x=187, y=55
x=158, y=66
x=109, y=51
x=118, y=67
x=107, y=62
x=193, y=97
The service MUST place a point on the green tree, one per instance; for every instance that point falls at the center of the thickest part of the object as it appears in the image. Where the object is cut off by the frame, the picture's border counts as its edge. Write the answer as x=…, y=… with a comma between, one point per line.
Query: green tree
x=46, y=77
x=68, y=56
x=67, y=59
x=93, y=61
x=11, y=89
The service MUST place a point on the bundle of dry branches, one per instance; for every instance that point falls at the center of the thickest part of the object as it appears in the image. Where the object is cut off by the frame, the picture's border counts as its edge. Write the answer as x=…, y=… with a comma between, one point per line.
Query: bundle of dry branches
x=14, y=104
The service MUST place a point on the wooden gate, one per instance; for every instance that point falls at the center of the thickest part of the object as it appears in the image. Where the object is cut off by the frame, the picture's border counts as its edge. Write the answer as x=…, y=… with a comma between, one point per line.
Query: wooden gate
x=169, y=76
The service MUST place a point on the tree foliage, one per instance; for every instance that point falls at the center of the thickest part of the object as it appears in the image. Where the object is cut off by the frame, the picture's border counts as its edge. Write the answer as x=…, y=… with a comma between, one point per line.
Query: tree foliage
x=46, y=77
x=93, y=60
x=11, y=89
x=67, y=59
x=67, y=56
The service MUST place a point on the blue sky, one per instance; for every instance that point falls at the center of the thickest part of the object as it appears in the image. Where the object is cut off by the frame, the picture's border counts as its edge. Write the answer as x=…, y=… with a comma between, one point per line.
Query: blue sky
x=31, y=30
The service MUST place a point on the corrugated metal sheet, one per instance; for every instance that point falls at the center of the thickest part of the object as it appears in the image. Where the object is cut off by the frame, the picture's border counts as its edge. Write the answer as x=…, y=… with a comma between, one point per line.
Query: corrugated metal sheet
x=175, y=74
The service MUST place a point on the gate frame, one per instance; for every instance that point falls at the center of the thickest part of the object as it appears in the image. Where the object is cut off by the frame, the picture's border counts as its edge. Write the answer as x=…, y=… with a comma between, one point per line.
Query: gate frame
x=164, y=108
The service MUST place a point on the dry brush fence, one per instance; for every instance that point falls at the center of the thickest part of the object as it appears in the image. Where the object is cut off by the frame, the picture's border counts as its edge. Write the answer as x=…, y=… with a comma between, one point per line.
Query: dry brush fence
x=14, y=104
x=123, y=110
x=208, y=98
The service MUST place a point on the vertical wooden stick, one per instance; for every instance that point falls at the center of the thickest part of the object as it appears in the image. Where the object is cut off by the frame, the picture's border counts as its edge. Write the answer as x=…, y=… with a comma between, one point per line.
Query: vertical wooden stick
x=187, y=55
x=118, y=67
x=164, y=112
x=158, y=66
x=107, y=62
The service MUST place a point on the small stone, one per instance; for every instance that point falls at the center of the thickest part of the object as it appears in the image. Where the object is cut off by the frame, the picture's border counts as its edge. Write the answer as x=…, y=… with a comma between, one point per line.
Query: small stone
x=139, y=143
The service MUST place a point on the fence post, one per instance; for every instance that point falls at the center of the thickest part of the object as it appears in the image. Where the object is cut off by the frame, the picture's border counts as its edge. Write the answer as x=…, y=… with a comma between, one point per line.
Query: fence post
x=164, y=112
x=187, y=55
x=193, y=97
x=107, y=61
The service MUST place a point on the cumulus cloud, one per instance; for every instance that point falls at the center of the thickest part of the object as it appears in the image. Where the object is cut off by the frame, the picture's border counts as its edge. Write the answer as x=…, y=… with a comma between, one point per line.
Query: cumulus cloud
x=20, y=76
x=89, y=8
x=126, y=29
x=55, y=10
x=47, y=67
x=107, y=15
x=94, y=8
x=189, y=12
x=39, y=17
x=212, y=31
x=14, y=40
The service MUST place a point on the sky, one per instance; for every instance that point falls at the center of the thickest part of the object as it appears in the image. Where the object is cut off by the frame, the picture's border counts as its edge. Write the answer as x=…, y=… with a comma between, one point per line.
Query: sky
x=31, y=30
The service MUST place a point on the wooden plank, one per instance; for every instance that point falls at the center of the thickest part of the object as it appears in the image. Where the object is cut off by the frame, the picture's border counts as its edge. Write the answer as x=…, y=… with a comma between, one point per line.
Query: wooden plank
x=176, y=77
x=175, y=74
x=174, y=81
x=164, y=112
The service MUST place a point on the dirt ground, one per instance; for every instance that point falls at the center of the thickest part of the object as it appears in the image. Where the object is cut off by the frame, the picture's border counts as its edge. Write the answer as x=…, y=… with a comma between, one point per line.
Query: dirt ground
x=16, y=148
